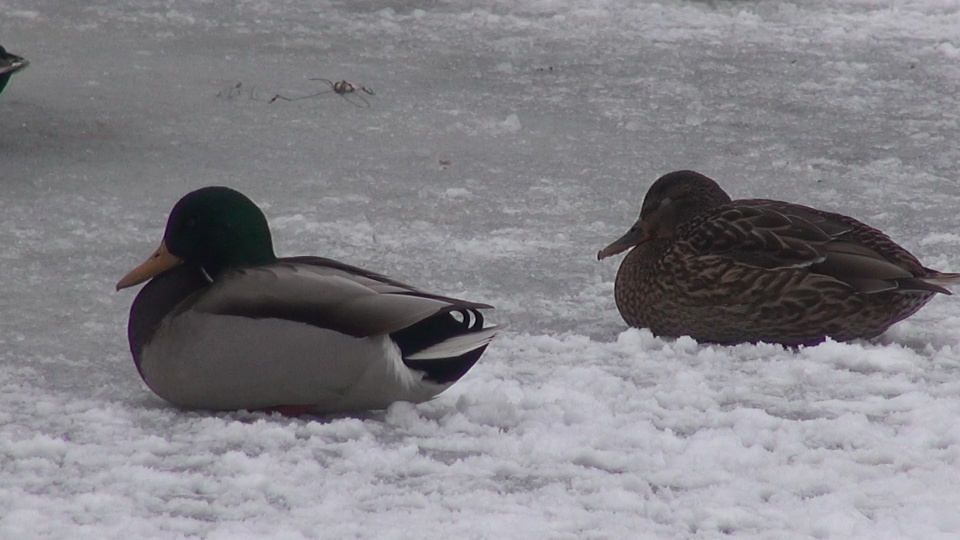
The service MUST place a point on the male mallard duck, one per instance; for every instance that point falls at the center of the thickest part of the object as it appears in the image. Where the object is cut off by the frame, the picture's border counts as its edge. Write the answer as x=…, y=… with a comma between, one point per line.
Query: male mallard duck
x=9, y=64
x=759, y=270
x=226, y=325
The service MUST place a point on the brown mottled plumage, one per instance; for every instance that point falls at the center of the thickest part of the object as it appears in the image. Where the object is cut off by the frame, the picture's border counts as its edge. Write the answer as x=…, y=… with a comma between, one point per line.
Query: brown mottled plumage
x=755, y=270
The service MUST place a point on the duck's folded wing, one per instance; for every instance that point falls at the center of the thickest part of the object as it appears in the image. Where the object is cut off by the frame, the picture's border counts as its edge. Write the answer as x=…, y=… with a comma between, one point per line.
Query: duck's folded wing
x=336, y=297
x=375, y=281
x=772, y=235
x=760, y=237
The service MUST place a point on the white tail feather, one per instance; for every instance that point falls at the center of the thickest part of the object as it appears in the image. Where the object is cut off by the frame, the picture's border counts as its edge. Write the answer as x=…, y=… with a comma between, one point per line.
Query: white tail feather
x=943, y=280
x=456, y=346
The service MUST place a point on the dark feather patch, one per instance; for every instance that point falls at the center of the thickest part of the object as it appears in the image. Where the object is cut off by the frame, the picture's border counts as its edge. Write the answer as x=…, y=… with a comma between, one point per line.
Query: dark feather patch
x=434, y=330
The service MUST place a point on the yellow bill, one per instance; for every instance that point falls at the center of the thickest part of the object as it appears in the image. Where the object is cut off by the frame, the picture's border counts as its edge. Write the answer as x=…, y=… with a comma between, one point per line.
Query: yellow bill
x=161, y=261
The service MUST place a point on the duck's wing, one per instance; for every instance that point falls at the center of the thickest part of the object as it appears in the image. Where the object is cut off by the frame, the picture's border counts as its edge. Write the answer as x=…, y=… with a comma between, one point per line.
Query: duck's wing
x=375, y=280
x=774, y=234
x=329, y=294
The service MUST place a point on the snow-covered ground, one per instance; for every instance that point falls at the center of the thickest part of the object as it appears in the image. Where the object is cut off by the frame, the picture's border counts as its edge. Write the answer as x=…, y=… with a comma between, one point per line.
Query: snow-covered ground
x=507, y=142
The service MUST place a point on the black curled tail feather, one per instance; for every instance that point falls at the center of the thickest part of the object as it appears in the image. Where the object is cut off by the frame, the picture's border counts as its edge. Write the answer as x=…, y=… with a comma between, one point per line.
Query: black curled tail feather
x=434, y=330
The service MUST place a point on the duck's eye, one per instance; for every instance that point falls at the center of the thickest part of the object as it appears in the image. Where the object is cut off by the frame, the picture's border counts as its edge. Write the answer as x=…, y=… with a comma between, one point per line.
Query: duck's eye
x=656, y=205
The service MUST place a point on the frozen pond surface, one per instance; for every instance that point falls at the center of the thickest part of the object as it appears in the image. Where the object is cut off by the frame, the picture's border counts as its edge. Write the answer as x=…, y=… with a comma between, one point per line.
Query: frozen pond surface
x=507, y=142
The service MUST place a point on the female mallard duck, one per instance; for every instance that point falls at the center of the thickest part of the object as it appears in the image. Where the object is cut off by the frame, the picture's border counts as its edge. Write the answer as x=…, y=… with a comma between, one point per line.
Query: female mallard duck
x=9, y=64
x=226, y=325
x=758, y=270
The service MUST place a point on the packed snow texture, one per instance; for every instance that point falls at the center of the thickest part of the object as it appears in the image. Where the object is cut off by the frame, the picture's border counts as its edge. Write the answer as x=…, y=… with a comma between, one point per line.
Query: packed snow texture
x=505, y=144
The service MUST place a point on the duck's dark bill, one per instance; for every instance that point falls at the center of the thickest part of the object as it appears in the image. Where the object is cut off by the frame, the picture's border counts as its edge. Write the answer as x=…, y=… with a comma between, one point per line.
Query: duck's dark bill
x=161, y=261
x=636, y=235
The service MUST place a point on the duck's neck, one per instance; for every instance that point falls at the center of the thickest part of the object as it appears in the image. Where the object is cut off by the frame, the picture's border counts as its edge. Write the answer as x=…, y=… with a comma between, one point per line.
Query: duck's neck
x=254, y=248
x=644, y=256
x=216, y=265
x=639, y=267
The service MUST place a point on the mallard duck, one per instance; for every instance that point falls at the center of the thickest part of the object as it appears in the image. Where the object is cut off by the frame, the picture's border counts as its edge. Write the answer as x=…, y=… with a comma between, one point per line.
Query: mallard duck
x=727, y=271
x=9, y=64
x=224, y=324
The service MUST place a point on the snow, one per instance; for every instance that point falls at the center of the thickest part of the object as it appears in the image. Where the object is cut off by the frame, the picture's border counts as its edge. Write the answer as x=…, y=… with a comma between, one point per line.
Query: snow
x=505, y=144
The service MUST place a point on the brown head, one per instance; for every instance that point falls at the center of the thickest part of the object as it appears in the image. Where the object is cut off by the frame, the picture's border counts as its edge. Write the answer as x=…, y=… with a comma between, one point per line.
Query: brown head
x=672, y=200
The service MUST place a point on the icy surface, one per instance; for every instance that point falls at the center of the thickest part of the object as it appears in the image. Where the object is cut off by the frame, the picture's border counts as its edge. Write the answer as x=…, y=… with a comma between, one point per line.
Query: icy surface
x=506, y=143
